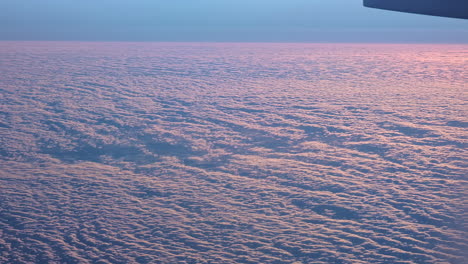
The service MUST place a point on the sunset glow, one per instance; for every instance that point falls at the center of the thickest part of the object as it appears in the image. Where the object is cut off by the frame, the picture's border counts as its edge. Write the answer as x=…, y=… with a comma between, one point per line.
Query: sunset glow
x=232, y=153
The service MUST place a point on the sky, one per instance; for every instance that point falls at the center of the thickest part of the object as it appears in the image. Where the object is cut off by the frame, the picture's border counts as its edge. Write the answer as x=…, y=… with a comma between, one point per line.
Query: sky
x=220, y=20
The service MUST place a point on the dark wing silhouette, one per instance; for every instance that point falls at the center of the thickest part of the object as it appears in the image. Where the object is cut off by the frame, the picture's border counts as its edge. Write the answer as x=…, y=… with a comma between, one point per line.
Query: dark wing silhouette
x=444, y=8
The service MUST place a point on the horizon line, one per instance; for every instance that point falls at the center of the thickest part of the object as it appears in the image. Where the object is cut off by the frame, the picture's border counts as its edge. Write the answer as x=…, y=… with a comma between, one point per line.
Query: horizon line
x=240, y=42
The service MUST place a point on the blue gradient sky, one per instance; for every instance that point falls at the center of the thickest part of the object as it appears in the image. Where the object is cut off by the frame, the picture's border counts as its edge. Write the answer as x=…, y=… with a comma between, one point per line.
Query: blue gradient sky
x=220, y=20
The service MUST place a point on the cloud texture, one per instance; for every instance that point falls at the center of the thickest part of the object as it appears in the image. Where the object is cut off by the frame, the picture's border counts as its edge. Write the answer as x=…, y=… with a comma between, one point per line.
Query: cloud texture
x=232, y=153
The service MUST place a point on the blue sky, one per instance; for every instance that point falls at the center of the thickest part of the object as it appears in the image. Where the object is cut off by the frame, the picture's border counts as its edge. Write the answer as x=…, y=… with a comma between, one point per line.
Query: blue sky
x=220, y=20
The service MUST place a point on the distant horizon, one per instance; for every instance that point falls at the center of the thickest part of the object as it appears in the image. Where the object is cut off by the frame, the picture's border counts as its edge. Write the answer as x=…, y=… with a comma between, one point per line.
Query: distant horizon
x=336, y=41
x=245, y=42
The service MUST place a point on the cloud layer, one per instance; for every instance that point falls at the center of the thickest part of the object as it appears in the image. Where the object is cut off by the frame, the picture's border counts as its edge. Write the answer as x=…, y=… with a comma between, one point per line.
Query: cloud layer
x=232, y=153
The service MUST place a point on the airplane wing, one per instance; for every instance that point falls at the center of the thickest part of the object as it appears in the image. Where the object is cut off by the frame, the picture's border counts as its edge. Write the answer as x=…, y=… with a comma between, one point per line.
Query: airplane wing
x=444, y=8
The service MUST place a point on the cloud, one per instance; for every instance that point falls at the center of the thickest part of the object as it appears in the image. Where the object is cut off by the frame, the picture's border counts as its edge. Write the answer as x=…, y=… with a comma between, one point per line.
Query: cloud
x=231, y=153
